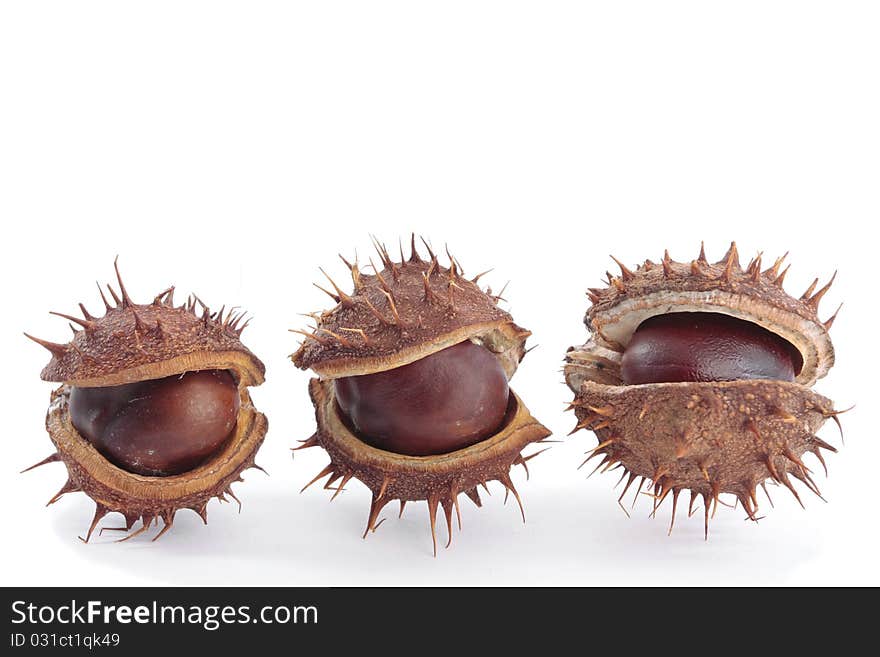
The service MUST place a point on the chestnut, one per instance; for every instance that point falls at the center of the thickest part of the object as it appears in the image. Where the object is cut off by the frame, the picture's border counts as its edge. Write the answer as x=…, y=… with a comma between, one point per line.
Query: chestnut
x=706, y=346
x=443, y=402
x=160, y=427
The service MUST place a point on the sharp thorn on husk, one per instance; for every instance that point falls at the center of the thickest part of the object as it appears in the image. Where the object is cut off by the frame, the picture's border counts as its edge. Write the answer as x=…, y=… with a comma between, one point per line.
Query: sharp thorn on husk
x=52, y=458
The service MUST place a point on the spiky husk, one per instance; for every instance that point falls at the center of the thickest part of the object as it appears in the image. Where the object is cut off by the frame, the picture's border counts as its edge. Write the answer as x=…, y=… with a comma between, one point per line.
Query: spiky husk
x=132, y=343
x=143, y=498
x=404, y=312
x=709, y=438
x=439, y=480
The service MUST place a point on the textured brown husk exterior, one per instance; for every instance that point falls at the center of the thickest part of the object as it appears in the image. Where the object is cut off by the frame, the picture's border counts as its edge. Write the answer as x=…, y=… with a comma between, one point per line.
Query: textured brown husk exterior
x=699, y=276
x=411, y=309
x=138, y=342
x=725, y=437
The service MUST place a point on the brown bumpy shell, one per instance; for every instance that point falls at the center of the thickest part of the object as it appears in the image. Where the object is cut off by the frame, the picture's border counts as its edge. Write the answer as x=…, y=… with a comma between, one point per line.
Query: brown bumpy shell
x=131, y=343
x=709, y=438
x=404, y=312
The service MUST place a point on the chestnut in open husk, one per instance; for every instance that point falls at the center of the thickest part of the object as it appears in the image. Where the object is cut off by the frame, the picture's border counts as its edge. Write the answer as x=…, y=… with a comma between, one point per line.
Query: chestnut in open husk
x=412, y=394
x=153, y=414
x=697, y=376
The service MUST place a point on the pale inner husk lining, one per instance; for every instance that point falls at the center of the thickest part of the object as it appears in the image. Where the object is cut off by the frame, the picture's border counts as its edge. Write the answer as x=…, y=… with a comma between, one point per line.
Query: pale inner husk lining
x=615, y=327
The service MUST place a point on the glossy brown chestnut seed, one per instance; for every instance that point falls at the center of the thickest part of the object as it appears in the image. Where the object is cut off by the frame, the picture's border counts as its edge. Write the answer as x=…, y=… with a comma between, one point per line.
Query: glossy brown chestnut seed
x=706, y=347
x=443, y=402
x=160, y=427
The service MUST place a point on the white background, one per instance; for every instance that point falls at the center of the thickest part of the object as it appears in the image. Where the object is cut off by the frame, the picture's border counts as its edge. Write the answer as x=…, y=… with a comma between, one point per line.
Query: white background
x=232, y=148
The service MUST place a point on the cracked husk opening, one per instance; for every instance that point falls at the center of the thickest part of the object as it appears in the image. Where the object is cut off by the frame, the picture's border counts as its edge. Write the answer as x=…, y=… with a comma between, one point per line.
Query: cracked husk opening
x=438, y=479
x=504, y=339
x=150, y=498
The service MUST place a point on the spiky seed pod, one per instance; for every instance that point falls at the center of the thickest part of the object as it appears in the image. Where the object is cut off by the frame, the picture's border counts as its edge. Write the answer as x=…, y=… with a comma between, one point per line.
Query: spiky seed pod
x=399, y=314
x=133, y=343
x=709, y=437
